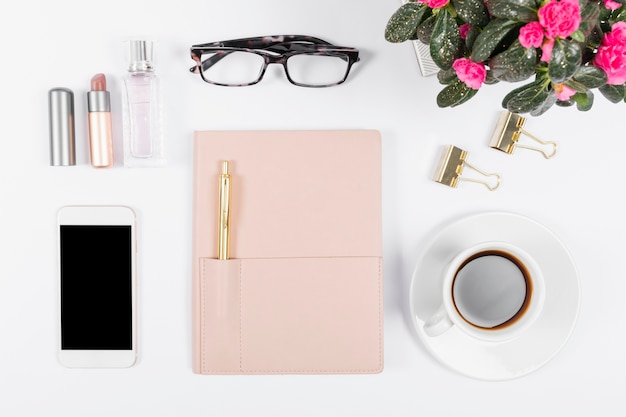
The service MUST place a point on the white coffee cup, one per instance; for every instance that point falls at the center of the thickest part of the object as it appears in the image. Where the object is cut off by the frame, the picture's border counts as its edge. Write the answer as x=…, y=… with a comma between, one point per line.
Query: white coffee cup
x=492, y=291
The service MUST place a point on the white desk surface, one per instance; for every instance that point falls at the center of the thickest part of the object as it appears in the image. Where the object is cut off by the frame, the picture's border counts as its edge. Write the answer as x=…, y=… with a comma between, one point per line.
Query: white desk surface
x=579, y=195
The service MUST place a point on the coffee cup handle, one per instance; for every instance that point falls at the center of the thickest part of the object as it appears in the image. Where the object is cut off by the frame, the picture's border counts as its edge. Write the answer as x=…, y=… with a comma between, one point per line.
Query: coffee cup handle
x=438, y=323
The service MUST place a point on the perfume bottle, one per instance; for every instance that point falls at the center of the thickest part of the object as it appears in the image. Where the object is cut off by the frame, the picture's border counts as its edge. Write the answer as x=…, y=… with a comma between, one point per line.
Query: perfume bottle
x=141, y=105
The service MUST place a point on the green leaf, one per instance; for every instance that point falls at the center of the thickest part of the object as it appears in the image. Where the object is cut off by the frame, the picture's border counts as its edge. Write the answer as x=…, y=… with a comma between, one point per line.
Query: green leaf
x=587, y=77
x=515, y=64
x=493, y=36
x=405, y=20
x=445, y=41
x=490, y=79
x=613, y=93
x=545, y=105
x=567, y=103
x=455, y=94
x=527, y=97
x=425, y=29
x=565, y=60
x=584, y=101
x=447, y=76
x=578, y=36
x=472, y=34
x=520, y=10
x=473, y=12
x=589, y=17
x=604, y=23
x=621, y=15
x=604, y=15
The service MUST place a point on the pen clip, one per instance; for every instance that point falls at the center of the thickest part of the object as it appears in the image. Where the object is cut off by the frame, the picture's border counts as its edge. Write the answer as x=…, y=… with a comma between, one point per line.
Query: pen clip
x=223, y=226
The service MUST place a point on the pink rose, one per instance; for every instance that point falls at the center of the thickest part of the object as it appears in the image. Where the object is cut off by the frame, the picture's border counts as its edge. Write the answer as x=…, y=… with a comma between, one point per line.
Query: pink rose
x=563, y=92
x=612, y=5
x=546, y=50
x=463, y=29
x=611, y=56
x=618, y=32
x=560, y=18
x=473, y=74
x=436, y=4
x=531, y=34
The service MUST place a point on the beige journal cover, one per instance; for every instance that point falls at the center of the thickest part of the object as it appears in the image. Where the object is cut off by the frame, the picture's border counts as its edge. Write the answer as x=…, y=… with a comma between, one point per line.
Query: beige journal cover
x=302, y=291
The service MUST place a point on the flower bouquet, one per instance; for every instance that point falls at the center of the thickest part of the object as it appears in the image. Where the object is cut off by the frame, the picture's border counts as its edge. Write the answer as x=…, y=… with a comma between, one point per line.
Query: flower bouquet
x=567, y=48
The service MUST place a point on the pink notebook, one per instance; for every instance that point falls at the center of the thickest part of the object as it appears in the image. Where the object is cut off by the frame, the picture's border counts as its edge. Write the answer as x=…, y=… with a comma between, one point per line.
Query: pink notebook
x=302, y=291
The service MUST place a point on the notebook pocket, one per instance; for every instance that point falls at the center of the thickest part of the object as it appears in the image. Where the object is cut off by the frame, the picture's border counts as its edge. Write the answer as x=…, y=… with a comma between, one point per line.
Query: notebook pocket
x=291, y=315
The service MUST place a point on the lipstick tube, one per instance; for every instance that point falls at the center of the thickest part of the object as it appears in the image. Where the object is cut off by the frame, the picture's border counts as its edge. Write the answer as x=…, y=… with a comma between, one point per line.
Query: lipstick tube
x=100, y=131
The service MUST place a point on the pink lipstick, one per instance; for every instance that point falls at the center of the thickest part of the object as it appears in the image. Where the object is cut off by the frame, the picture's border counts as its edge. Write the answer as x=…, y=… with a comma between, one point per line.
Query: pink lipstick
x=100, y=132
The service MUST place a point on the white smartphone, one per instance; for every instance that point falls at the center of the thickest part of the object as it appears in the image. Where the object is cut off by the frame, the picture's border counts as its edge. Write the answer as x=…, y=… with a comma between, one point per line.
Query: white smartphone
x=97, y=299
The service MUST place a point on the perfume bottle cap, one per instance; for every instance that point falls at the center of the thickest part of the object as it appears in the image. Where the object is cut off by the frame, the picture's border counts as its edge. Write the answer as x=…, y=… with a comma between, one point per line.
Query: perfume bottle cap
x=61, y=115
x=141, y=55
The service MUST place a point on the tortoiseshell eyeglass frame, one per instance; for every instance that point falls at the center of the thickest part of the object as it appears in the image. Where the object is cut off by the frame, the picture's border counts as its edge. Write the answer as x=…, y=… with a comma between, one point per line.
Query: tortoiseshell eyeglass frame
x=274, y=50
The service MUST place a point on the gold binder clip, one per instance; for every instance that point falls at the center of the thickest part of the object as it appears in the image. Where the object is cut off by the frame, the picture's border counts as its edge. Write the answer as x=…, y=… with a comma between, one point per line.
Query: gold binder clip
x=506, y=135
x=451, y=165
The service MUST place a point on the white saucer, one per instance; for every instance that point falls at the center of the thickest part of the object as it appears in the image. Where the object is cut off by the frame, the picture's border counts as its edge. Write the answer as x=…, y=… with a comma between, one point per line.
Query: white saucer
x=547, y=335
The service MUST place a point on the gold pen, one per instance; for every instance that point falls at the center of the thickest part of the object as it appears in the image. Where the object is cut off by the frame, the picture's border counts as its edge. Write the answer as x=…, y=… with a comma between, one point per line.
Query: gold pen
x=223, y=242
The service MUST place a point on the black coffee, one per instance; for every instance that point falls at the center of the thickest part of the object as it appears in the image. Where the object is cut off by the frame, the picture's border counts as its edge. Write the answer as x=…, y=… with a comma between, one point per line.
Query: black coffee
x=492, y=289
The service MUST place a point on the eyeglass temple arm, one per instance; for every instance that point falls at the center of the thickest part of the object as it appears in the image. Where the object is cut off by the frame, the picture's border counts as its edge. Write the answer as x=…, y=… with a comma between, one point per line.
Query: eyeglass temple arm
x=208, y=63
x=263, y=41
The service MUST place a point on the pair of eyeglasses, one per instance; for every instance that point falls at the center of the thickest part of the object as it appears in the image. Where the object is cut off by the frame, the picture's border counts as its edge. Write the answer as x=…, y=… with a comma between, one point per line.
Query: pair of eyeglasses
x=308, y=61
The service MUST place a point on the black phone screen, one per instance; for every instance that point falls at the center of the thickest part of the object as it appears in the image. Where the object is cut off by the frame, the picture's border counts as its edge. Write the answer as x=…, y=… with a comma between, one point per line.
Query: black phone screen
x=96, y=287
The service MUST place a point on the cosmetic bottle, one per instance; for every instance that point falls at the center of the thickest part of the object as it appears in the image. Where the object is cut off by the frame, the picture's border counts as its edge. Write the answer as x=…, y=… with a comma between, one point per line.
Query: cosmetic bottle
x=100, y=130
x=141, y=106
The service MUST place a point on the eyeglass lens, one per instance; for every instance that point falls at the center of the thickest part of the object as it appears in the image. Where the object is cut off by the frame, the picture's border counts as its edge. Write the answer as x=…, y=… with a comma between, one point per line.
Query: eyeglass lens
x=317, y=70
x=232, y=67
